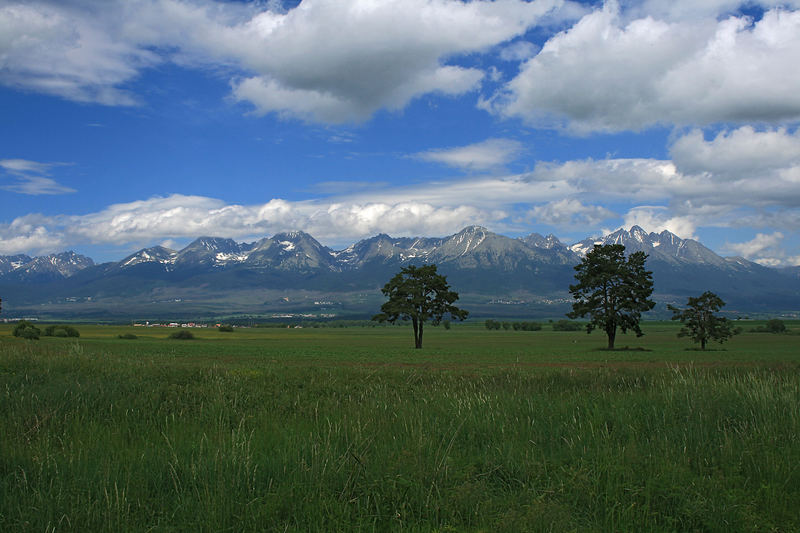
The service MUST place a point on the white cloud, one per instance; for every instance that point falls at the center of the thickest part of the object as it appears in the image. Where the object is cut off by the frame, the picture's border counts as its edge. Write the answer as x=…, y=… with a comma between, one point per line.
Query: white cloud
x=29, y=234
x=22, y=167
x=49, y=48
x=31, y=177
x=760, y=169
x=763, y=248
x=609, y=73
x=342, y=61
x=741, y=153
x=570, y=213
x=491, y=153
x=740, y=178
x=651, y=193
x=711, y=183
x=324, y=60
x=612, y=179
x=658, y=218
x=36, y=185
x=518, y=51
x=692, y=9
x=757, y=245
x=163, y=219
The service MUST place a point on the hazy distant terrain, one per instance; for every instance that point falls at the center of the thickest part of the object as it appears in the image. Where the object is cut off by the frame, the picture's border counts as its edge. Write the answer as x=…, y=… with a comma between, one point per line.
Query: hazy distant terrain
x=292, y=274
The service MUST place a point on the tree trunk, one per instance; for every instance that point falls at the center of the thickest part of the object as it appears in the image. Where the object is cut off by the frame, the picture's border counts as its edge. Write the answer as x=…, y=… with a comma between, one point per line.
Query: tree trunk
x=415, y=325
x=702, y=343
x=418, y=340
x=612, y=334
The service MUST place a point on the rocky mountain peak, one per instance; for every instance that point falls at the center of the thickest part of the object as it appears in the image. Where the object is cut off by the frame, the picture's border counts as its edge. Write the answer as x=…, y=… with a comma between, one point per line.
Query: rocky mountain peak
x=13, y=262
x=664, y=246
x=53, y=266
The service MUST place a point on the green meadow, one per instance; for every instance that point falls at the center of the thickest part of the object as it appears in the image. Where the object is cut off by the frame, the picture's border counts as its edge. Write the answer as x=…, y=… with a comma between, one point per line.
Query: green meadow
x=351, y=429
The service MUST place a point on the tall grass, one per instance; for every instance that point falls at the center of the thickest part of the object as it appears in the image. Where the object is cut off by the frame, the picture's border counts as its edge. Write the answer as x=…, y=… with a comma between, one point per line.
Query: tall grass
x=95, y=440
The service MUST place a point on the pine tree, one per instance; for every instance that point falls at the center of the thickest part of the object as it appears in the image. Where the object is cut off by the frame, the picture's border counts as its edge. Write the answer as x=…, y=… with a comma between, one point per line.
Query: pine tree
x=419, y=294
x=699, y=321
x=612, y=290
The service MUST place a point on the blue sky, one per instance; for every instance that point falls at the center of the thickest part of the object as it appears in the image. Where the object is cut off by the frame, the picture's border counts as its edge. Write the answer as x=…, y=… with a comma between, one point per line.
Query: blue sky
x=130, y=123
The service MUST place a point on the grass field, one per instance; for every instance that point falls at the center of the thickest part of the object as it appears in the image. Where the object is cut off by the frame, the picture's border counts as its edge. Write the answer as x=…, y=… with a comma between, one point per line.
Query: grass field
x=353, y=430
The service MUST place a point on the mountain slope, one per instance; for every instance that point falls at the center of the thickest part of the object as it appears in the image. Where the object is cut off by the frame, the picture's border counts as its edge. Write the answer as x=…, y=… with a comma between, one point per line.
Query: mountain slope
x=45, y=268
x=220, y=275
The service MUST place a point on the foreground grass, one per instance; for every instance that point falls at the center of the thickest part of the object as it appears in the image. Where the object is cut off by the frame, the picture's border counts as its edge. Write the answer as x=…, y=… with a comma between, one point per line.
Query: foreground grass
x=351, y=430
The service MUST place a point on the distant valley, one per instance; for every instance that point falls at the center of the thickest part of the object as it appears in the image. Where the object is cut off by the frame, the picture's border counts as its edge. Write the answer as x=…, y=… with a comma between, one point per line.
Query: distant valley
x=293, y=275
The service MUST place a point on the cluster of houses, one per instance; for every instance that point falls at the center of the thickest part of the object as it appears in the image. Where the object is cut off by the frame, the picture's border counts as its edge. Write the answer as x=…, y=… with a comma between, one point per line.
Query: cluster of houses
x=147, y=324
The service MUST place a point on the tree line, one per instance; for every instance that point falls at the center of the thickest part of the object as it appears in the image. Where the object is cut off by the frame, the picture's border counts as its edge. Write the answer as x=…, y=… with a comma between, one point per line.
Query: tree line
x=559, y=325
x=611, y=290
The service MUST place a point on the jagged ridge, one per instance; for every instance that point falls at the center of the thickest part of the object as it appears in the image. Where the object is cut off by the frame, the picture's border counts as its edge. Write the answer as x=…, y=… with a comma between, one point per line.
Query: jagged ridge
x=476, y=261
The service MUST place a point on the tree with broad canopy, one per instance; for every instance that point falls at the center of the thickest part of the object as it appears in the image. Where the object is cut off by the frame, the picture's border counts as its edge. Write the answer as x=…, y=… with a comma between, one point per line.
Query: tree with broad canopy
x=612, y=290
x=699, y=321
x=419, y=294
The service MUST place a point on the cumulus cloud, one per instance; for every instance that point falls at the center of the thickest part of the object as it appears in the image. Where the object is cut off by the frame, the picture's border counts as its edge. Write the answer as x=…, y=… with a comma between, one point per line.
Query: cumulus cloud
x=677, y=10
x=491, y=153
x=636, y=179
x=757, y=168
x=740, y=153
x=570, y=213
x=518, y=51
x=658, y=218
x=611, y=73
x=31, y=177
x=708, y=183
x=324, y=60
x=53, y=49
x=30, y=234
x=757, y=245
x=763, y=248
x=178, y=216
x=739, y=178
x=342, y=61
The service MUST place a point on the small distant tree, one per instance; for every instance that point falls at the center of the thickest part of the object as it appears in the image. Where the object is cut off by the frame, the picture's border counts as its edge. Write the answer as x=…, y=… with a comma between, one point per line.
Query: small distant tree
x=567, y=325
x=421, y=295
x=182, y=334
x=26, y=330
x=61, y=331
x=773, y=325
x=699, y=321
x=612, y=290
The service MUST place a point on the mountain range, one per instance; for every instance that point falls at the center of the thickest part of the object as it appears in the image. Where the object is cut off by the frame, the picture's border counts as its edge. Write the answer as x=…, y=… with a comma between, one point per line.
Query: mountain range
x=292, y=273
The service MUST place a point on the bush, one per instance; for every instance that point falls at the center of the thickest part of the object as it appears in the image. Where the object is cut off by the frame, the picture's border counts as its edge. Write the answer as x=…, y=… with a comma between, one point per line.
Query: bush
x=61, y=331
x=567, y=325
x=226, y=328
x=26, y=330
x=773, y=325
x=516, y=326
x=526, y=326
x=182, y=335
x=129, y=336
